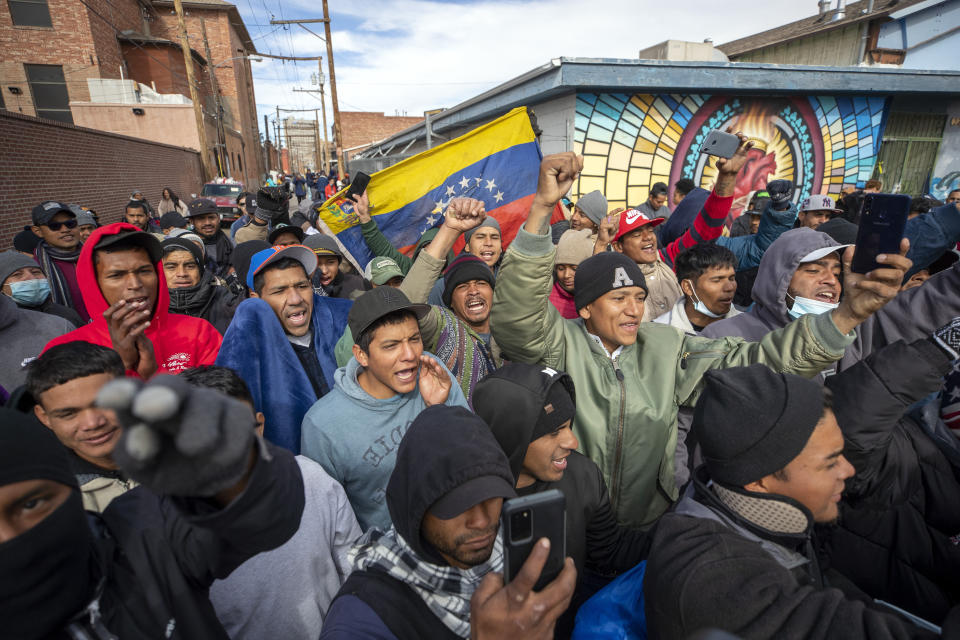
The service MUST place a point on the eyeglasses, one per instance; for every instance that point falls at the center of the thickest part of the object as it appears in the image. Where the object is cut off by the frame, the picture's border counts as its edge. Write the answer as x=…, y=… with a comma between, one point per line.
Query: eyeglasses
x=69, y=224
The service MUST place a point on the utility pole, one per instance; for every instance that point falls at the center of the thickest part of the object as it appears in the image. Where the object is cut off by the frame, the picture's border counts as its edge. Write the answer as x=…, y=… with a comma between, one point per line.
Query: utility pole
x=279, y=143
x=194, y=96
x=337, y=132
x=316, y=139
x=266, y=153
x=222, y=161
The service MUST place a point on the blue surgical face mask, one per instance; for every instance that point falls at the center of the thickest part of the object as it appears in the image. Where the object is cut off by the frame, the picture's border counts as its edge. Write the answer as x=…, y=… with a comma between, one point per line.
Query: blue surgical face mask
x=699, y=307
x=802, y=306
x=30, y=292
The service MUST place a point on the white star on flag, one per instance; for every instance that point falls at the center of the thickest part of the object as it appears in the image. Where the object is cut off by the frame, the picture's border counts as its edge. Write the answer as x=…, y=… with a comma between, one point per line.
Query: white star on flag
x=498, y=196
x=465, y=182
x=450, y=190
x=430, y=221
x=491, y=185
x=479, y=180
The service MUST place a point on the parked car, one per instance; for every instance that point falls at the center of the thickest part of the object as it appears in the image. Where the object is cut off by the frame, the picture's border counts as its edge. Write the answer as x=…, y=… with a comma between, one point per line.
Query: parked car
x=224, y=192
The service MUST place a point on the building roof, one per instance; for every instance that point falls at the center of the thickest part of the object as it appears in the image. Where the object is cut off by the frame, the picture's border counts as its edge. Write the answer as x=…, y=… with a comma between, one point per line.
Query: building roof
x=566, y=75
x=854, y=12
x=233, y=15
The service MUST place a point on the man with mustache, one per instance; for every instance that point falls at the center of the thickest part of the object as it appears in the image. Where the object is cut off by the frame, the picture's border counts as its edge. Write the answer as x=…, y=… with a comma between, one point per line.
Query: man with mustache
x=57, y=253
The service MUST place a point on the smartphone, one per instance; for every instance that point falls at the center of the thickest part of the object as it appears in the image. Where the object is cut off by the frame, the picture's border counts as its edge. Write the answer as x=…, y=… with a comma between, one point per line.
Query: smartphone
x=358, y=185
x=720, y=143
x=883, y=217
x=524, y=521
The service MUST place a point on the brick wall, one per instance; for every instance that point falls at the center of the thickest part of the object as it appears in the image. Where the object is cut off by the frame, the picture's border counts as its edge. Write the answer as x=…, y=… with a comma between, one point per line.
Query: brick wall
x=367, y=127
x=43, y=160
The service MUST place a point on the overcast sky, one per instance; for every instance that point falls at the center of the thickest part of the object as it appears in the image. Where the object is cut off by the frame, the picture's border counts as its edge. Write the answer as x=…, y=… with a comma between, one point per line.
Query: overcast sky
x=406, y=56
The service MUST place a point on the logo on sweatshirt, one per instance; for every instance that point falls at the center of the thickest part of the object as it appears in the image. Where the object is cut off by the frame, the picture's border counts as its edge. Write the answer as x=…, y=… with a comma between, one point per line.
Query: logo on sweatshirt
x=177, y=362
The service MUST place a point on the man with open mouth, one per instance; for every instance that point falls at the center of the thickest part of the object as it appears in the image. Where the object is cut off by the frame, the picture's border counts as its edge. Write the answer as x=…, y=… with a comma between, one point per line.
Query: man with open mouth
x=354, y=431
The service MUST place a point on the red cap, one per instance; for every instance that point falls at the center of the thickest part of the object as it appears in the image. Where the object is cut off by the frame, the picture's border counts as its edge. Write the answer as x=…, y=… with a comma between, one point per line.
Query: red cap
x=633, y=219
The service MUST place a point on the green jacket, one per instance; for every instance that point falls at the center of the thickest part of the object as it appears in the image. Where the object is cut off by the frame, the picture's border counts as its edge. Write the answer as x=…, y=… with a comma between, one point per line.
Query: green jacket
x=380, y=246
x=626, y=416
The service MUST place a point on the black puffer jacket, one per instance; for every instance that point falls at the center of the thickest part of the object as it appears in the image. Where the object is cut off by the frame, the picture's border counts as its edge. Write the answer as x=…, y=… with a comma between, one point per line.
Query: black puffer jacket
x=900, y=518
x=343, y=285
x=206, y=300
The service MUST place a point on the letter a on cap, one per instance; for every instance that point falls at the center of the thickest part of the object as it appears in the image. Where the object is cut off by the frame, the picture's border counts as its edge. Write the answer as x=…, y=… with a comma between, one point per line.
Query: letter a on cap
x=621, y=279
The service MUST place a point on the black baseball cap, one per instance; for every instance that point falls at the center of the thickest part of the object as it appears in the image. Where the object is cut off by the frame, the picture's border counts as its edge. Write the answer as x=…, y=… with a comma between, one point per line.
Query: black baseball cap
x=376, y=303
x=286, y=228
x=43, y=213
x=139, y=238
x=201, y=206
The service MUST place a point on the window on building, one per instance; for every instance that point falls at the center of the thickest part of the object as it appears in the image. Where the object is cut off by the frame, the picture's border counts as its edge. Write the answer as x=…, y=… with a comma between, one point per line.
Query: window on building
x=909, y=151
x=239, y=164
x=49, y=89
x=30, y=13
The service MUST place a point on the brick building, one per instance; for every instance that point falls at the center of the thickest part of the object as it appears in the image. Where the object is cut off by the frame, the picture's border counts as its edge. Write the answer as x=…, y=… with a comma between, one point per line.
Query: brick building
x=86, y=62
x=361, y=129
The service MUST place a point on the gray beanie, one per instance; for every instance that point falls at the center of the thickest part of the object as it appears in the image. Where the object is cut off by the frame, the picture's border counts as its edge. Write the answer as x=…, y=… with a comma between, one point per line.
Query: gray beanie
x=574, y=247
x=11, y=261
x=489, y=221
x=752, y=421
x=593, y=205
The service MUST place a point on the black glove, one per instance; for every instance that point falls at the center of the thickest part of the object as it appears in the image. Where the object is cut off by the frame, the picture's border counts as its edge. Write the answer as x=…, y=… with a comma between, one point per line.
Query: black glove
x=781, y=193
x=179, y=439
x=272, y=202
x=948, y=338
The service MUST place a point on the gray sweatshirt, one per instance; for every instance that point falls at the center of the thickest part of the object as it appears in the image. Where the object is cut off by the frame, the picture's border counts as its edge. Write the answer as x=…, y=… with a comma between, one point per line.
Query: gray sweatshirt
x=23, y=335
x=285, y=592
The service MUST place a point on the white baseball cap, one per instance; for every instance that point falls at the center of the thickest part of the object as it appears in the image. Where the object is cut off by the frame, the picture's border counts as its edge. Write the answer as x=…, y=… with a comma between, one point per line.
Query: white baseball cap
x=819, y=203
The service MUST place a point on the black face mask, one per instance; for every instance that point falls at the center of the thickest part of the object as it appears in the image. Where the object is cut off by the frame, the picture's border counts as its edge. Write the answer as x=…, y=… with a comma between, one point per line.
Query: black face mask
x=45, y=573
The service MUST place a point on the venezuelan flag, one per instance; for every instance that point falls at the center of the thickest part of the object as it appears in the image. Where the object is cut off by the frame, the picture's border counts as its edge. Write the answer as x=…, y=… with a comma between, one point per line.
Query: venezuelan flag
x=497, y=163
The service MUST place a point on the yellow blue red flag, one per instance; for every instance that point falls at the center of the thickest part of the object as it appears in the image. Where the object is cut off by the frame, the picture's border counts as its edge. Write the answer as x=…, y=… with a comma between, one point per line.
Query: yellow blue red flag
x=497, y=163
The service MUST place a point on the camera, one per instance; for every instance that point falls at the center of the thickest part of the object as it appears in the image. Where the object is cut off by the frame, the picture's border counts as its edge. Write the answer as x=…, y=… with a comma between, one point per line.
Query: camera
x=521, y=526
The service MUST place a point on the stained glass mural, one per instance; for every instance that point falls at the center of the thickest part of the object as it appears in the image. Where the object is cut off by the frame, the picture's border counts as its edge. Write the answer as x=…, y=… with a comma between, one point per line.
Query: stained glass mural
x=630, y=142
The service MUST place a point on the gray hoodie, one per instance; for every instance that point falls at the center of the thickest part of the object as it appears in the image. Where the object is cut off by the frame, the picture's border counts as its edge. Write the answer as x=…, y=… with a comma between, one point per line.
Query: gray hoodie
x=912, y=315
x=23, y=335
x=355, y=436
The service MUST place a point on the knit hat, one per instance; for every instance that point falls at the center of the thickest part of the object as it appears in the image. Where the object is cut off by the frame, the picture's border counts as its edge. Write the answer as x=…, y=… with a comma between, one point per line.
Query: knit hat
x=593, y=205
x=743, y=439
x=558, y=407
x=574, y=247
x=602, y=273
x=465, y=268
x=242, y=253
x=182, y=244
x=173, y=219
x=30, y=451
x=489, y=221
x=11, y=261
x=26, y=241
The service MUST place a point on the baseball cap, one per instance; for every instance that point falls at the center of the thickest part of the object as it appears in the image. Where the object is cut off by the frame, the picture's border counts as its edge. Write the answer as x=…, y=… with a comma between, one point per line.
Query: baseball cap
x=286, y=228
x=819, y=203
x=376, y=303
x=323, y=245
x=201, y=206
x=816, y=254
x=471, y=492
x=382, y=270
x=43, y=213
x=633, y=219
x=298, y=252
x=126, y=236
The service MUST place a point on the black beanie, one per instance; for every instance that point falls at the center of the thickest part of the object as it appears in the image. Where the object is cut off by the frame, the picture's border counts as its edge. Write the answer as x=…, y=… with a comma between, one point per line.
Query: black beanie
x=30, y=451
x=465, y=268
x=604, y=272
x=558, y=407
x=751, y=421
x=181, y=244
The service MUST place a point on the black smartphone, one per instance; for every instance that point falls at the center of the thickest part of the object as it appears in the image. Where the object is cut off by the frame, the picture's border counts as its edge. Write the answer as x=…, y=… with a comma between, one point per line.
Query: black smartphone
x=883, y=217
x=720, y=143
x=358, y=185
x=524, y=521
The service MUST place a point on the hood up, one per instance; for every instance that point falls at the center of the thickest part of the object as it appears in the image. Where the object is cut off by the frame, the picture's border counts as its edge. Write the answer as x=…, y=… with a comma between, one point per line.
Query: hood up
x=93, y=299
x=511, y=399
x=9, y=311
x=778, y=266
x=444, y=448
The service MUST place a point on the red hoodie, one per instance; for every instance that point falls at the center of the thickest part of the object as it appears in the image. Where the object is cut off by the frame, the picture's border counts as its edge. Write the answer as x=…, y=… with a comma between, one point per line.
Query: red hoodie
x=179, y=342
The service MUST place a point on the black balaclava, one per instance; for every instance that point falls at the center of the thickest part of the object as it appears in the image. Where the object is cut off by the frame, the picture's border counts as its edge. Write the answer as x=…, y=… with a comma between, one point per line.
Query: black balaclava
x=45, y=572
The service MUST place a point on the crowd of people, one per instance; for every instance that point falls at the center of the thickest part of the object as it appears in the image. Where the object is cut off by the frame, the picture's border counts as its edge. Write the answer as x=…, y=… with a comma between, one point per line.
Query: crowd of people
x=214, y=432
